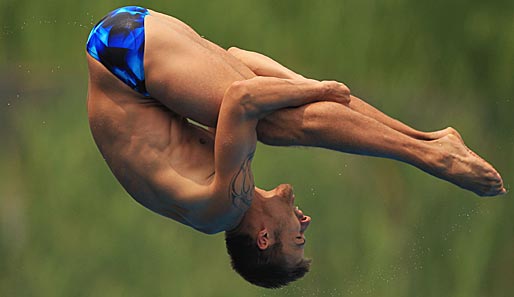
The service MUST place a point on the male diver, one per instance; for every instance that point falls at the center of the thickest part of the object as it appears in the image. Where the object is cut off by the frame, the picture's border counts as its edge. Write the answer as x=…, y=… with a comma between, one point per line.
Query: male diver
x=149, y=73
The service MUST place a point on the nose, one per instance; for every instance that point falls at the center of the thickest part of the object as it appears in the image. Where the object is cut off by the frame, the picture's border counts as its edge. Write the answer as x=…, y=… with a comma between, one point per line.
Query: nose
x=285, y=187
x=286, y=192
x=304, y=222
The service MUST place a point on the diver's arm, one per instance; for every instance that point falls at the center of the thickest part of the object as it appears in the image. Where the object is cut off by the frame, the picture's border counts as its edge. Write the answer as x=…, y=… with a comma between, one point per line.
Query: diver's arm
x=244, y=103
x=260, y=95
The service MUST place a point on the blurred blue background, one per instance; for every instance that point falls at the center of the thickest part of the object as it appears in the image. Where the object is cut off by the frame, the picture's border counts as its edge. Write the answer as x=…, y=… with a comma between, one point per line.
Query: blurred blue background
x=380, y=228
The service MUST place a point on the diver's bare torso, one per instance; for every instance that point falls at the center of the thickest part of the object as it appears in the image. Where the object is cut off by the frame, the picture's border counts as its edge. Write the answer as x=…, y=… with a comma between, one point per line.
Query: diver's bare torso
x=135, y=134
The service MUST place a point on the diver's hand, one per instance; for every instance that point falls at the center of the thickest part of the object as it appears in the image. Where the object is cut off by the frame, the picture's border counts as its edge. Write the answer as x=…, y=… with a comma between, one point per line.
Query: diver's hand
x=336, y=91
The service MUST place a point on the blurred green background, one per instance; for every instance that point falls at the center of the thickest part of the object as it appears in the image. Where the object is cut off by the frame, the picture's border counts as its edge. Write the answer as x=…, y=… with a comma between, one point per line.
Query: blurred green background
x=380, y=228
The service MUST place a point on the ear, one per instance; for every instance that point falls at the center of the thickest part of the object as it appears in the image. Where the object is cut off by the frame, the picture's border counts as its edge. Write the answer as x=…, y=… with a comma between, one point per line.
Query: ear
x=263, y=240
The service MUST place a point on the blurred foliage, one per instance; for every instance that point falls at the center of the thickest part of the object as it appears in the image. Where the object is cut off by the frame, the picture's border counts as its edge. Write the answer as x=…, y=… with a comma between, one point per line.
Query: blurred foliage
x=380, y=228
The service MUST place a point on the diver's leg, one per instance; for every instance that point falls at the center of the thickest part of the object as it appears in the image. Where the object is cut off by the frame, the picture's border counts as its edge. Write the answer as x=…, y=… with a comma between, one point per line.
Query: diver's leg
x=337, y=127
x=266, y=66
x=190, y=74
x=366, y=109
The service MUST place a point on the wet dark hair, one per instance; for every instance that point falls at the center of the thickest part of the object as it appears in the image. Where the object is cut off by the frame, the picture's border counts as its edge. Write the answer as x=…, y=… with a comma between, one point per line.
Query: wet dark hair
x=265, y=268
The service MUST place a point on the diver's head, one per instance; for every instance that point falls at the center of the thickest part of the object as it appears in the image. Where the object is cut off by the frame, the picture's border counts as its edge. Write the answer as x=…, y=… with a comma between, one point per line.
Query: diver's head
x=267, y=248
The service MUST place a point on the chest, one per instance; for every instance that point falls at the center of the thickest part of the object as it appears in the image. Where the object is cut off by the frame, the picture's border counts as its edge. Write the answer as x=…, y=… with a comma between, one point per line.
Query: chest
x=193, y=156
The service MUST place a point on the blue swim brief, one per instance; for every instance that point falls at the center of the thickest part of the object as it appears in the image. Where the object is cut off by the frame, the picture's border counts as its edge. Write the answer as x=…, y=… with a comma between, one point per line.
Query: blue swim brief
x=118, y=42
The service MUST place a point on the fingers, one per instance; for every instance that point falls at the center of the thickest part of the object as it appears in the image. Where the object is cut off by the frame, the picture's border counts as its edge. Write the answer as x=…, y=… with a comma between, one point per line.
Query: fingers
x=336, y=86
x=336, y=91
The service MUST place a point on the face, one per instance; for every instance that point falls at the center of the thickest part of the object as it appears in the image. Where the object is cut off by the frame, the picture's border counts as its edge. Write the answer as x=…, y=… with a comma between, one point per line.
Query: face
x=289, y=220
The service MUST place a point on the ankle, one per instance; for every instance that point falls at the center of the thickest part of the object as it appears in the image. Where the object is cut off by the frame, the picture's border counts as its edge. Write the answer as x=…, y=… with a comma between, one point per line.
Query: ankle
x=430, y=156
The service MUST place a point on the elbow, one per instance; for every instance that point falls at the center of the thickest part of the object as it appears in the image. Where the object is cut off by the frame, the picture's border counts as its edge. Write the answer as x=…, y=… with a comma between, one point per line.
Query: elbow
x=239, y=95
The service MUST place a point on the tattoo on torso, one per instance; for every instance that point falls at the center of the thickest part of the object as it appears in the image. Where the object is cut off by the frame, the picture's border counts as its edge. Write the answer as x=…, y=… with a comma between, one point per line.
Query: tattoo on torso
x=241, y=186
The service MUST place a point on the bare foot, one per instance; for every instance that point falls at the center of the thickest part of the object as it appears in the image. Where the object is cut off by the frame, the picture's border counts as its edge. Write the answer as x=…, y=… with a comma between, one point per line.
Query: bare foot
x=457, y=164
x=444, y=132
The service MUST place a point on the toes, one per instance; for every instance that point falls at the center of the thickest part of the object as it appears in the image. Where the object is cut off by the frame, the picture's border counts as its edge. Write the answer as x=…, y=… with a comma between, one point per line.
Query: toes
x=493, y=178
x=496, y=187
x=498, y=176
x=490, y=176
x=488, y=194
x=494, y=191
